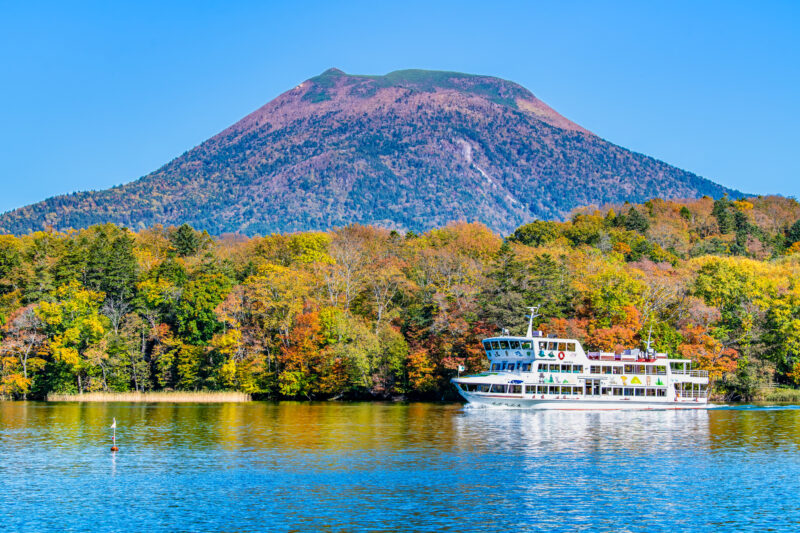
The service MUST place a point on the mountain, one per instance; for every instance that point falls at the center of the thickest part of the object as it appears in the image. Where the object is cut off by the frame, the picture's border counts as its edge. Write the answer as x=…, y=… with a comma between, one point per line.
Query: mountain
x=410, y=150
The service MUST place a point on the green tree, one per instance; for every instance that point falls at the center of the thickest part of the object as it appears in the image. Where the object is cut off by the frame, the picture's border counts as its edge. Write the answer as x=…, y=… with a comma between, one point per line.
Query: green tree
x=722, y=212
x=636, y=221
x=185, y=240
x=793, y=233
x=537, y=233
x=195, y=317
x=503, y=298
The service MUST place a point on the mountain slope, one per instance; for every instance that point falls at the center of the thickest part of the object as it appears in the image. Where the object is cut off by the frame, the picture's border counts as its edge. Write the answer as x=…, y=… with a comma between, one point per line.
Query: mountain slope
x=411, y=150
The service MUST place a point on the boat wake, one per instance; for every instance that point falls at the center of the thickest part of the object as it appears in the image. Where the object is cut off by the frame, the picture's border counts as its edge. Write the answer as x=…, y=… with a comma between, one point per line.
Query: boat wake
x=750, y=407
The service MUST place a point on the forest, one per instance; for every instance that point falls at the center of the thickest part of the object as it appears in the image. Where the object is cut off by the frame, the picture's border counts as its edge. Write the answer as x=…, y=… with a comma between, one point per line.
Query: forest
x=364, y=312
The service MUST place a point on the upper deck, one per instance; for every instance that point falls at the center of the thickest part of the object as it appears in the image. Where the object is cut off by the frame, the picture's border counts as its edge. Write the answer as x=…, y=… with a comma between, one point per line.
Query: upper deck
x=527, y=354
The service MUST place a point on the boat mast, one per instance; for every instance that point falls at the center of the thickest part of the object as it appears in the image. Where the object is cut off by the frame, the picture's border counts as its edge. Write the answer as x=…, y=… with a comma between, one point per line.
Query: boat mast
x=649, y=334
x=534, y=314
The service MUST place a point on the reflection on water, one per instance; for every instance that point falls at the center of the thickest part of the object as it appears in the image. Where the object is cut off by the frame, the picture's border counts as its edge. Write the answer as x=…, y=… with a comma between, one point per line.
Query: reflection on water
x=307, y=466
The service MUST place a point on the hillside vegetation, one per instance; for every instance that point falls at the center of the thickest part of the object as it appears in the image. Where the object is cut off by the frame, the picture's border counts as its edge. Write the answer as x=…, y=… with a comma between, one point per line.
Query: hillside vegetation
x=412, y=150
x=368, y=312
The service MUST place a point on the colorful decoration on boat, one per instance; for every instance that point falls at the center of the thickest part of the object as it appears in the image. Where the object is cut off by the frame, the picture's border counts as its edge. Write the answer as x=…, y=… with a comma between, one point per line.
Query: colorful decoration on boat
x=552, y=354
x=659, y=382
x=551, y=379
x=624, y=380
x=636, y=381
x=565, y=380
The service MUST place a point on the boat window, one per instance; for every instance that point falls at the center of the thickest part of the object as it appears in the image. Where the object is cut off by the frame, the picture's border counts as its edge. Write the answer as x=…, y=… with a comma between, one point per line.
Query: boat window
x=650, y=392
x=541, y=389
x=504, y=345
x=496, y=366
x=570, y=346
x=513, y=345
x=552, y=390
x=487, y=345
x=498, y=388
x=527, y=345
x=515, y=389
x=627, y=392
x=594, y=369
x=565, y=368
x=553, y=345
x=639, y=392
x=628, y=369
x=661, y=392
x=617, y=391
x=639, y=369
x=483, y=387
x=605, y=390
x=616, y=370
x=530, y=389
x=606, y=369
x=562, y=346
x=577, y=369
x=526, y=367
x=661, y=370
x=554, y=368
x=566, y=390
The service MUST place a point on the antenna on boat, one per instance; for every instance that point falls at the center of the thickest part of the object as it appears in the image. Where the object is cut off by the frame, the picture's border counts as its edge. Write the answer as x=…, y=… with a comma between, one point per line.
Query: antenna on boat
x=534, y=314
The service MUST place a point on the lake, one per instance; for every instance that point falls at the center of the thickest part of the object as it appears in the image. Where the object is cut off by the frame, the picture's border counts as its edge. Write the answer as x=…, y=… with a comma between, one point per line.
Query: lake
x=395, y=467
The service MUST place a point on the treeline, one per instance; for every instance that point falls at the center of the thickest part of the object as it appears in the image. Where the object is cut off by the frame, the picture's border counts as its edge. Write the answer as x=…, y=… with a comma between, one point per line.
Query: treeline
x=366, y=312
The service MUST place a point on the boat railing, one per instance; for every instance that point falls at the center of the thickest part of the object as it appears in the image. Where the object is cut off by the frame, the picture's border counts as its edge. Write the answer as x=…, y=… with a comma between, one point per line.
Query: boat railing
x=691, y=373
x=691, y=394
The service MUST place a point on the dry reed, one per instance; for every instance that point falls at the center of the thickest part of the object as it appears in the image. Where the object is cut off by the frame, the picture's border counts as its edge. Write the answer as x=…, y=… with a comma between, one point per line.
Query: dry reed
x=165, y=397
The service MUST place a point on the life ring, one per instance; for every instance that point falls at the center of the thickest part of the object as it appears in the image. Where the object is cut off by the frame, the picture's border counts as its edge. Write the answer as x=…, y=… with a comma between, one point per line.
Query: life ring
x=561, y=355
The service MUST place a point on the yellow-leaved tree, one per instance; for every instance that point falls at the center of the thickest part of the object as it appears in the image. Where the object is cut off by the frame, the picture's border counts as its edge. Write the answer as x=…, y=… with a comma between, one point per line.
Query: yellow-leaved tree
x=75, y=329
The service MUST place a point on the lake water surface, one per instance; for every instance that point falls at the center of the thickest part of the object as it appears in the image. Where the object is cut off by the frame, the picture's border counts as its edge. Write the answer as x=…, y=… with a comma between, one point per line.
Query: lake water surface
x=395, y=467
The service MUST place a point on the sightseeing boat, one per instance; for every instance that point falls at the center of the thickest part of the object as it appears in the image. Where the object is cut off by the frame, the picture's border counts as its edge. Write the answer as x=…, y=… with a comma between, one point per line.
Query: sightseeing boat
x=539, y=372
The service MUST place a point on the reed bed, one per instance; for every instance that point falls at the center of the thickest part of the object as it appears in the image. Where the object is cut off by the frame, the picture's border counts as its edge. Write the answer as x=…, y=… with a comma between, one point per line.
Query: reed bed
x=779, y=394
x=153, y=397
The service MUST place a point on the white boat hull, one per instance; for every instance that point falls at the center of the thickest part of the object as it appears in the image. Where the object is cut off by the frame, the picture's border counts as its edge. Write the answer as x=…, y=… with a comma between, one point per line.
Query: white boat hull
x=529, y=402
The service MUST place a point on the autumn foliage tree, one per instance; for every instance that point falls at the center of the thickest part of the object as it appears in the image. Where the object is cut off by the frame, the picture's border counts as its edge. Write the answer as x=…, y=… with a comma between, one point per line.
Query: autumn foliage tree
x=367, y=312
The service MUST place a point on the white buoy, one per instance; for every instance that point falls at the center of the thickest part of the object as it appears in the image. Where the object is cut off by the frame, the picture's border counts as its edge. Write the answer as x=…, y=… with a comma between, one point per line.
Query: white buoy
x=114, y=447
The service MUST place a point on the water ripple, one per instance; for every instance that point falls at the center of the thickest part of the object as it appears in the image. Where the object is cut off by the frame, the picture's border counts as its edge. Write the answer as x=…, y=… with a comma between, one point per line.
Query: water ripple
x=382, y=467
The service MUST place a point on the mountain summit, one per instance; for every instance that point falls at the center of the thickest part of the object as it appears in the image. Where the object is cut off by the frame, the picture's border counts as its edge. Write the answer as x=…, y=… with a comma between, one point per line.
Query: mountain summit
x=411, y=150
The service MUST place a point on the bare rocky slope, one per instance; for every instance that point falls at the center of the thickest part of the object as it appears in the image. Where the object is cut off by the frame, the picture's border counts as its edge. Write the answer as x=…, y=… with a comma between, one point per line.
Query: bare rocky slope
x=409, y=150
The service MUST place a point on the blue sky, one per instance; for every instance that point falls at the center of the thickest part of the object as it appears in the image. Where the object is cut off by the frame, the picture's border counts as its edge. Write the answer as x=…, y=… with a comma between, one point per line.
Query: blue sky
x=95, y=94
